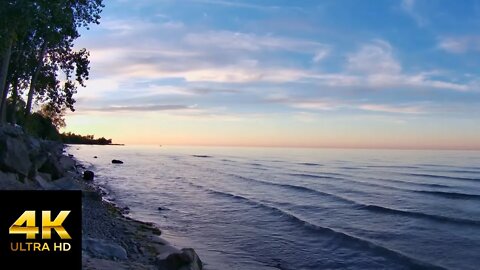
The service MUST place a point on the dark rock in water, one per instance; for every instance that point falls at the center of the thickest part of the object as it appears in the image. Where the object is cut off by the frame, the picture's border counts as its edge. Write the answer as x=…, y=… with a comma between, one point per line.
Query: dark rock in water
x=70, y=155
x=186, y=260
x=162, y=208
x=201, y=156
x=116, y=161
x=88, y=175
x=95, y=157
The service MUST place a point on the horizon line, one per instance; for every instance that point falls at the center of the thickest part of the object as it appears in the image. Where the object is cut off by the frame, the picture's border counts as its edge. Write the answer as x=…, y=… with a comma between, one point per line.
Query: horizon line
x=311, y=147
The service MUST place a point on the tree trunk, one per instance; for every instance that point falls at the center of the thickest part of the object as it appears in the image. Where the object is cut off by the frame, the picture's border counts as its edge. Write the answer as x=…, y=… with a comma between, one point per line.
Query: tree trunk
x=4, y=72
x=33, y=82
x=3, y=103
x=14, y=102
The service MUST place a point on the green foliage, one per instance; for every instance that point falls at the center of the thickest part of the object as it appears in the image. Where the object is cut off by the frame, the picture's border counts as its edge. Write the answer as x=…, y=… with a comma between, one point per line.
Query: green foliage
x=40, y=126
x=39, y=36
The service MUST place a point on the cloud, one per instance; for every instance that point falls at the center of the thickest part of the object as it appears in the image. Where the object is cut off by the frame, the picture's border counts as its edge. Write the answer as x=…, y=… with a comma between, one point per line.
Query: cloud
x=234, y=4
x=460, y=44
x=138, y=108
x=409, y=7
x=228, y=40
x=375, y=57
x=321, y=54
x=312, y=104
x=141, y=70
x=392, y=108
x=375, y=66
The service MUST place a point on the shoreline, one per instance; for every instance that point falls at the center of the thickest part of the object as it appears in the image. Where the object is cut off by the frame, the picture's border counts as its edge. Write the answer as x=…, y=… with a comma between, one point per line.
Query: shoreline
x=144, y=248
x=110, y=239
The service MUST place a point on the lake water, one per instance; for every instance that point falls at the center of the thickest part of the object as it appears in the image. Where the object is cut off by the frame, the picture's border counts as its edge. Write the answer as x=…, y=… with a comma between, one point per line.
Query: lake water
x=272, y=208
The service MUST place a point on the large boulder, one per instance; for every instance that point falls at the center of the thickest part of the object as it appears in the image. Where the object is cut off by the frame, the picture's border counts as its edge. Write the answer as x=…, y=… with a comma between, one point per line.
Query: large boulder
x=67, y=163
x=52, y=166
x=116, y=161
x=187, y=259
x=14, y=155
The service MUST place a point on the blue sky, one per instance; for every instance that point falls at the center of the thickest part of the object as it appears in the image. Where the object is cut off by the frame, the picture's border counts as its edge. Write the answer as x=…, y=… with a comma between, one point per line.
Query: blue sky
x=399, y=73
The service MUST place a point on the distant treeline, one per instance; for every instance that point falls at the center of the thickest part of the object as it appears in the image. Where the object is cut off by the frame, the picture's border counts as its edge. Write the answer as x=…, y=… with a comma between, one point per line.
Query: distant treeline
x=72, y=138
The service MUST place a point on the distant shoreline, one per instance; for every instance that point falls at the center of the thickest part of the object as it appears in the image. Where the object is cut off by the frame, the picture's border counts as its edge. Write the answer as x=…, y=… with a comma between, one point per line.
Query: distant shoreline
x=117, y=144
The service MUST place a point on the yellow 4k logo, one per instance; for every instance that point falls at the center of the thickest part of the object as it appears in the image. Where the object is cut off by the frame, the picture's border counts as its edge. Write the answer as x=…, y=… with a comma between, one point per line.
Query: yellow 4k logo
x=30, y=230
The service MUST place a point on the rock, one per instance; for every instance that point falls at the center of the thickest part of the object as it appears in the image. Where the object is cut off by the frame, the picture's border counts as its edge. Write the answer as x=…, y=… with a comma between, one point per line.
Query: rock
x=44, y=184
x=52, y=166
x=67, y=183
x=88, y=175
x=80, y=166
x=95, y=157
x=187, y=259
x=10, y=181
x=162, y=208
x=67, y=163
x=45, y=176
x=116, y=161
x=195, y=262
x=104, y=249
x=14, y=155
x=125, y=210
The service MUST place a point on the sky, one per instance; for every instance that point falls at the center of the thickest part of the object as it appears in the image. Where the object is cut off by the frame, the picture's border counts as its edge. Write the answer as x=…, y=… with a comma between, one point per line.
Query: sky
x=307, y=73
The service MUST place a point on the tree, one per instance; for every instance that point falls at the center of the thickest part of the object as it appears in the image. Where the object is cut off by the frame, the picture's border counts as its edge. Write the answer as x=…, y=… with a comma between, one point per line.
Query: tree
x=15, y=18
x=36, y=48
x=57, y=31
x=56, y=117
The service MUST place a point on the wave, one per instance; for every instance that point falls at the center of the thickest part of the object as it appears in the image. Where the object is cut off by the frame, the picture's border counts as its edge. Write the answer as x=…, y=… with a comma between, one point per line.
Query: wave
x=451, y=195
x=381, y=209
x=376, y=208
x=294, y=187
x=443, y=177
x=391, y=166
x=412, y=183
x=309, y=164
x=335, y=237
x=324, y=175
x=347, y=178
x=461, y=171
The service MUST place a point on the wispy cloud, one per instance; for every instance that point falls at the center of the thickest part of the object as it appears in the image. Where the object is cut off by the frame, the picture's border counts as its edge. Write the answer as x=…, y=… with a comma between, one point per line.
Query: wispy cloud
x=139, y=108
x=220, y=64
x=312, y=105
x=460, y=44
x=227, y=40
x=321, y=54
x=235, y=4
x=374, y=58
x=401, y=109
x=409, y=7
x=308, y=104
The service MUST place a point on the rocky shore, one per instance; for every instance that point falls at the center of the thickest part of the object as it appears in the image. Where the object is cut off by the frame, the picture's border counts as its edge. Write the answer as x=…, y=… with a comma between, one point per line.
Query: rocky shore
x=110, y=239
